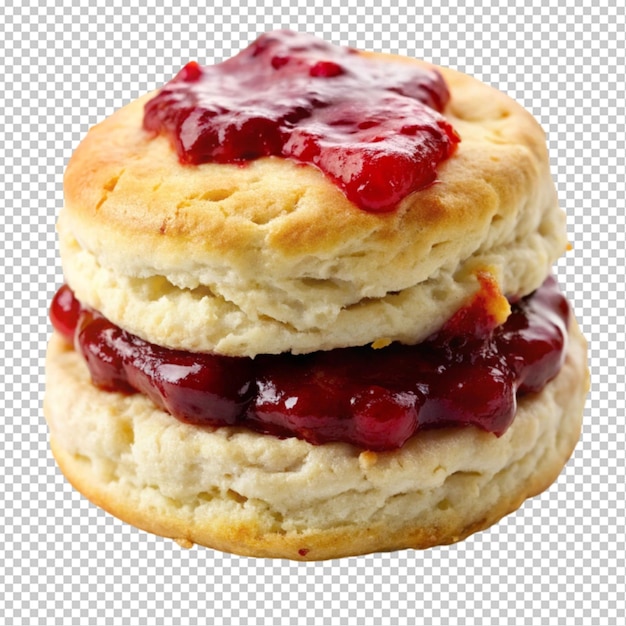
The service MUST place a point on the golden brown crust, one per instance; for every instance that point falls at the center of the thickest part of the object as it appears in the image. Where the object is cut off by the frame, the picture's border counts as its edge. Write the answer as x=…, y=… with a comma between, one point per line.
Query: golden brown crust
x=256, y=495
x=126, y=180
x=284, y=256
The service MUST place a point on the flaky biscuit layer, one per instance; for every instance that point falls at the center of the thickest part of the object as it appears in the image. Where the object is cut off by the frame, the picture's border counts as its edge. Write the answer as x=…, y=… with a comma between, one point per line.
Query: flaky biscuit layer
x=271, y=257
x=251, y=494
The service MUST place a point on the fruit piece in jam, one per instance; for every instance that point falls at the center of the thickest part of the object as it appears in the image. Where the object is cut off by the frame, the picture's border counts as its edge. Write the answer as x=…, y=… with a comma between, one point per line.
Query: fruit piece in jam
x=374, y=399
x=373, y=127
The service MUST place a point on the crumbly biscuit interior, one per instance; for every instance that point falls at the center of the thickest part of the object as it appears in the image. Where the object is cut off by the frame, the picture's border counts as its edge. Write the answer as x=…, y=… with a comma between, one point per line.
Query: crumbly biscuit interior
x=200, y=483
x=299, y=315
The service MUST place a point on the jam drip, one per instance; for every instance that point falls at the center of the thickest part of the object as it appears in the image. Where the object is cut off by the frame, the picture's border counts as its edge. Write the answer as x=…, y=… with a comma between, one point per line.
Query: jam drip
x=374, y=399
x=373, y=127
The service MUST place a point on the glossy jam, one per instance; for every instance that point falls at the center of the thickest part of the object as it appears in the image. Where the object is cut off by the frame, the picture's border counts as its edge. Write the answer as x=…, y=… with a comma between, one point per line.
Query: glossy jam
x=374, y=399
x=374, y=128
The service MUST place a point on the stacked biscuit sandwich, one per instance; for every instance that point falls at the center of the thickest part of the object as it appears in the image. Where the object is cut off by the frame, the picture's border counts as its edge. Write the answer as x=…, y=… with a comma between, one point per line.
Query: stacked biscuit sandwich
x=308, y=309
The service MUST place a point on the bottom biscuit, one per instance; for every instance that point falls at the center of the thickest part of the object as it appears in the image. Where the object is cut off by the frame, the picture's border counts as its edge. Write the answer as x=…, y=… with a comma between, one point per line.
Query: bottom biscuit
x=256, y=495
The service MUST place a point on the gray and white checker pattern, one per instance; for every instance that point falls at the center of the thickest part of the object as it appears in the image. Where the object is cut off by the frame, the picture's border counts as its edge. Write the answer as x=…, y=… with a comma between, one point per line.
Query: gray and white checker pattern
x=558, y=561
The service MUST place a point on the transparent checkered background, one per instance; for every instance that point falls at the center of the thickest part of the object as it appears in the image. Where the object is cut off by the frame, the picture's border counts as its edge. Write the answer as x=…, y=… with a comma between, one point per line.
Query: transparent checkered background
x=558, y=561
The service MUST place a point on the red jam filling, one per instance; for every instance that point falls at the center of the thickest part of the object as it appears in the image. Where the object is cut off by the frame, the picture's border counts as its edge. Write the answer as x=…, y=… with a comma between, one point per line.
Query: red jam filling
x=374, y=128
x=374, y=399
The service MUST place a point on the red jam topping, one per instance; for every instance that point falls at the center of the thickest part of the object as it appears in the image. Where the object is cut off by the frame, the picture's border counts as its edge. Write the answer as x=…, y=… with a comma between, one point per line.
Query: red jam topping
x=373, y=127
x=374, y=399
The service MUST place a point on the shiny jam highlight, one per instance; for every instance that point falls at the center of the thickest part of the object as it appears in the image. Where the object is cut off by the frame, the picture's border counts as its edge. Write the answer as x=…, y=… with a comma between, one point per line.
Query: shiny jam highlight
x=374, y=399
x=372, y=127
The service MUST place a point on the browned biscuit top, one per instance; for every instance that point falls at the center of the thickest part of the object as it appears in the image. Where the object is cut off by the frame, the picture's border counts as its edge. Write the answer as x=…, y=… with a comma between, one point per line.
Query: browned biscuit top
x=280, y=243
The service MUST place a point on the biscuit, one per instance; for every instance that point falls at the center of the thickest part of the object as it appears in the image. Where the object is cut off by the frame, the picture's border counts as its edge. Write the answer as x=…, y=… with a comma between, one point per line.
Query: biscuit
x=237, y=491
x=273, y=258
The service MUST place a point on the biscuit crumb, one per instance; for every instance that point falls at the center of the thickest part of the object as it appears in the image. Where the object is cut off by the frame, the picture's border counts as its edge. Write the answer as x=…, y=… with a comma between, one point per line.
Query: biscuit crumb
x=383, y=342
x=367, y=459
x=183, y=543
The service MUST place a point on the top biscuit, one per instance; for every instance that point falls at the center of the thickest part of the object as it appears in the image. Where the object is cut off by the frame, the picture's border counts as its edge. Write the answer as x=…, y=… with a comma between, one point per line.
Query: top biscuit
x=271, y=256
